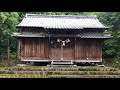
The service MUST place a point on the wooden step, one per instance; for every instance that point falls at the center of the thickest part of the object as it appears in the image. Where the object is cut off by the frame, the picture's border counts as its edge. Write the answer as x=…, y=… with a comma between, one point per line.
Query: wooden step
x=61, y=66
x=61, y=63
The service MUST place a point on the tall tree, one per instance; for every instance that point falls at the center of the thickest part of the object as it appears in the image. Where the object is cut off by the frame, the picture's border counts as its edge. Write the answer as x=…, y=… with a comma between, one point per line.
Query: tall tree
x=111, y=49
x=8, y=21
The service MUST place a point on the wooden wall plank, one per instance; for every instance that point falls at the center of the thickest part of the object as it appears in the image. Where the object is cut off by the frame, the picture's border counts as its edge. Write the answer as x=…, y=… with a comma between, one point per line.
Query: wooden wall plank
x=36, y=48
x=88, y=49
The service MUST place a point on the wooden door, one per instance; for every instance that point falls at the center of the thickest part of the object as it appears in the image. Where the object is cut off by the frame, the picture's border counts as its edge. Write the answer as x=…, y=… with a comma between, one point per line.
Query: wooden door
x=56, y=52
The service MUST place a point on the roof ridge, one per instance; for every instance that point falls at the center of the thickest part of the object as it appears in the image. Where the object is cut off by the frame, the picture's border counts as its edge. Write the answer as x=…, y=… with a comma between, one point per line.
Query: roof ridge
x=74, y=16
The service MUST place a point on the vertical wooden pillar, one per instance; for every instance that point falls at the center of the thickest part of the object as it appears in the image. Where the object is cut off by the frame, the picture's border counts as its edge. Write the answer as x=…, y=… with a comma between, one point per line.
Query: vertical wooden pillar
x=18, y=51
x=49, y=52
x=75, y=42
x=101, y=45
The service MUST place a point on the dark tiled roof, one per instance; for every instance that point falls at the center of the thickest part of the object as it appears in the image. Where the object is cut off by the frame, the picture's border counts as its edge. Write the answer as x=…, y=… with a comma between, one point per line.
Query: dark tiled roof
x=60, y=21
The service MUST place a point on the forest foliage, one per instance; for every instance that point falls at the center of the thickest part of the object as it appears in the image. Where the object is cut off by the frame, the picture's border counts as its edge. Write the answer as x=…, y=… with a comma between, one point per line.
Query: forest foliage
x=8, y=21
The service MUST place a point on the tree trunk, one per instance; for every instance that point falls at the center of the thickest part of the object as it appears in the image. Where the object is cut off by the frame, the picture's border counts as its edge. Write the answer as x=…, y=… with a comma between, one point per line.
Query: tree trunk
x=0, y=58
x=8, y=50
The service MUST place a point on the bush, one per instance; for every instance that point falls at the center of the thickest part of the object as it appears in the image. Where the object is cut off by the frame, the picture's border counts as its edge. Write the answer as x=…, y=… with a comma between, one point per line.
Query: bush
x=116, y=64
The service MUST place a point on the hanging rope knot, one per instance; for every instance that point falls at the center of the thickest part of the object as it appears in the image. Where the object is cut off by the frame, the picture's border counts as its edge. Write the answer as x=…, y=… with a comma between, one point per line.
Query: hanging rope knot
x=63, y=41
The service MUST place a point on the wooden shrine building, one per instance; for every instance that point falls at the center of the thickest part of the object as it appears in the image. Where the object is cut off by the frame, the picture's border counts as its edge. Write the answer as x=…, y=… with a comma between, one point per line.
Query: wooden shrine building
x=47, y=38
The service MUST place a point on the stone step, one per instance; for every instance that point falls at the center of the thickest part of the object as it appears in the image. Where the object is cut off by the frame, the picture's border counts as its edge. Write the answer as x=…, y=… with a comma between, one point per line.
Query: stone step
x=22, y=76
x=69, y=72
x=48, y=68
x=84, y=76
x=55, y=76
